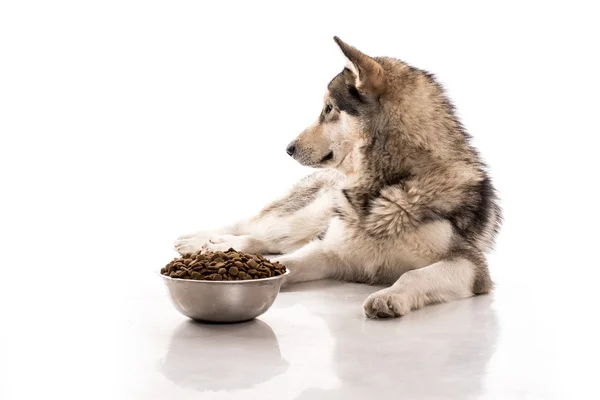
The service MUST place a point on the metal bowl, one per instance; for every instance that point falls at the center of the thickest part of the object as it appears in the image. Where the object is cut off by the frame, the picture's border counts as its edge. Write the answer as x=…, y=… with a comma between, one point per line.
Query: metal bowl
x=223, y=301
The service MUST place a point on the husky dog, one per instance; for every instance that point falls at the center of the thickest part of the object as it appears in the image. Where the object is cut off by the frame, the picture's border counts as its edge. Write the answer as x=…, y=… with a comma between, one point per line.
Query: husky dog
x=402, y=198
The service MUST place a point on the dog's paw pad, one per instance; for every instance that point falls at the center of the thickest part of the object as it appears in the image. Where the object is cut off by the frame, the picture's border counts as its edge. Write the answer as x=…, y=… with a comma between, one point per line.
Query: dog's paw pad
x=384, y=304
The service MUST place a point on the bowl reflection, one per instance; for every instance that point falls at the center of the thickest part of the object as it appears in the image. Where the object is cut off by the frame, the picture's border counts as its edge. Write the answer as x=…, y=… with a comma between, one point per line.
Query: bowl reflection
x=222, y=357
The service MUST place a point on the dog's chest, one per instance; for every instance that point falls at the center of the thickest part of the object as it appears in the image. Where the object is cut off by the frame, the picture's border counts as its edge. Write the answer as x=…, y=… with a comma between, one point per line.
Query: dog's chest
x=385, y=258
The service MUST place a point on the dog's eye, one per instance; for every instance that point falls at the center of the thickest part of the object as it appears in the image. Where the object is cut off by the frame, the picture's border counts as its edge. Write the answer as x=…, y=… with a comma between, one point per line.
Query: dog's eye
x=328, y=108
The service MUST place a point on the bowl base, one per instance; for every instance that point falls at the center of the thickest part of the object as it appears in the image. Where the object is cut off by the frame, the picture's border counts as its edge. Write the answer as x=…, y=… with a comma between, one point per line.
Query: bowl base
x=204, y=321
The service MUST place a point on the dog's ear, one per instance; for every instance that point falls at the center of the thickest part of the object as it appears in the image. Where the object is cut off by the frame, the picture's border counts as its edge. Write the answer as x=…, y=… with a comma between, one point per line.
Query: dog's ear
x=370, y=76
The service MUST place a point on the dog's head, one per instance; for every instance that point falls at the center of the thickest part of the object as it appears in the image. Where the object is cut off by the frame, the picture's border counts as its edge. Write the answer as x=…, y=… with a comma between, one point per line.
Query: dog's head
x=351, y=100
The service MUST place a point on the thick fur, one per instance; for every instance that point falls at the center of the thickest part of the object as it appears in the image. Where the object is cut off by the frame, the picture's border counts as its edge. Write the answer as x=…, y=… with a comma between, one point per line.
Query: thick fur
x=403, y=199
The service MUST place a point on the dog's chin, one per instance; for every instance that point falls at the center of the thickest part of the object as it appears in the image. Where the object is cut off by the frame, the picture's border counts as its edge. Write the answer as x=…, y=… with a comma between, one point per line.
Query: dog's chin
x=327, y=161
x=311, y=164
x=319, y=164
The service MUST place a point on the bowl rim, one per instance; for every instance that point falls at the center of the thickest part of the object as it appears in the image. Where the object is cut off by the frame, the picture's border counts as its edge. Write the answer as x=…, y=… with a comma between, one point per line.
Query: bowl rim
x=272, y=278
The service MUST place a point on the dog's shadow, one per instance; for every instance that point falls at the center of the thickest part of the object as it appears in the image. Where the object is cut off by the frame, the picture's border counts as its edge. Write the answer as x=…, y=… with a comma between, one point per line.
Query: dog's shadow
x=210, y=357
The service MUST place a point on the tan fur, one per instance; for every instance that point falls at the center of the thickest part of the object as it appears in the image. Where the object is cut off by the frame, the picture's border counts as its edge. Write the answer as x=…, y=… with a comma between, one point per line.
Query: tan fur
x=338, y=134
x=369, y=74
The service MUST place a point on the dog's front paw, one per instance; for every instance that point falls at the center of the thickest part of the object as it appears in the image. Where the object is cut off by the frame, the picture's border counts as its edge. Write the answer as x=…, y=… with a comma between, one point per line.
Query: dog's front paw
x=386, y=304
x=225, y=242
x=191, y=243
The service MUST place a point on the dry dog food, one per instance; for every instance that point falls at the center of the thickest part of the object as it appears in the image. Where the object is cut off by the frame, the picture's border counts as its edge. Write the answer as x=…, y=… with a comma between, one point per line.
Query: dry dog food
x=230, y=265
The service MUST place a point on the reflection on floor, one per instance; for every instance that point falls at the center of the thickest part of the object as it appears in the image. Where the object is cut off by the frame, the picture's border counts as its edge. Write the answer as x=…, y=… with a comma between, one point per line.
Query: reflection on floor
x=316, y=344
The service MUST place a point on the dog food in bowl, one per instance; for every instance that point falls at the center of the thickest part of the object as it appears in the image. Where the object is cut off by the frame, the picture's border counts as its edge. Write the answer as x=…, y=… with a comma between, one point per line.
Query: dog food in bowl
x=223, y=287
x=229, y=265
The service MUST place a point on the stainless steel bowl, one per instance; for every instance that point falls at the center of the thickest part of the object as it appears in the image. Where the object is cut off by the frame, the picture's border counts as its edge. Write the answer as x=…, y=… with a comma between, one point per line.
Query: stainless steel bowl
x=223, y=301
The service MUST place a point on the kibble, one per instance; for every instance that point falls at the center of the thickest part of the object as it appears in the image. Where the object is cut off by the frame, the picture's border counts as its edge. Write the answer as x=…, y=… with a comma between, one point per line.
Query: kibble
x=229, y=265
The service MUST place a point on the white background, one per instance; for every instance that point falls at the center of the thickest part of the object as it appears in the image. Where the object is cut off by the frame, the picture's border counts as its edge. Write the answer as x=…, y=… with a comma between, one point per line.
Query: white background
x=126, y=123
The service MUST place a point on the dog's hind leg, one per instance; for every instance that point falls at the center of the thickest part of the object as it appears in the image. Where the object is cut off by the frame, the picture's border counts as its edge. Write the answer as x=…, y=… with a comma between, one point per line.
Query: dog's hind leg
x=462, y=274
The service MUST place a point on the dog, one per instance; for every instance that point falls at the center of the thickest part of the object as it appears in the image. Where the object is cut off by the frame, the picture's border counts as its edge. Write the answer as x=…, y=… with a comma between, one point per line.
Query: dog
x=400, y=198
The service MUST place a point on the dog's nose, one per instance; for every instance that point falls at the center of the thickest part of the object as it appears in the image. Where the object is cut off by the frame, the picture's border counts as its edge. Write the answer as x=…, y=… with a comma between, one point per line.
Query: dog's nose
x=291, y=149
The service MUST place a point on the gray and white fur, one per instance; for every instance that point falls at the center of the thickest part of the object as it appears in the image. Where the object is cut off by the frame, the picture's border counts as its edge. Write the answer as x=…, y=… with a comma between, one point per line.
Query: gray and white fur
x=402, y=198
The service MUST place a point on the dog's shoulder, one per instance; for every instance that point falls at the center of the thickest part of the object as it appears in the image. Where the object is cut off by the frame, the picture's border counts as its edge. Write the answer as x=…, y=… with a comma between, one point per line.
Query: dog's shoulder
x=459, y=193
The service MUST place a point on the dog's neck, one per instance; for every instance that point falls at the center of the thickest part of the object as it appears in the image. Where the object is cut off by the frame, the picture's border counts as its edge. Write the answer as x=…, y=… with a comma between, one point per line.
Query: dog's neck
x=352, y=163
x=360, y=170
